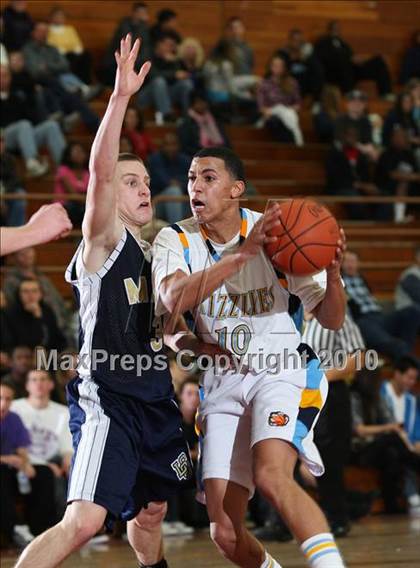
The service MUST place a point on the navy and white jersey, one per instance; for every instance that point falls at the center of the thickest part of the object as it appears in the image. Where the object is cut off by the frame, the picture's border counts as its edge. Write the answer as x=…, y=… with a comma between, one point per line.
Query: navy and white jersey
x=120, y=347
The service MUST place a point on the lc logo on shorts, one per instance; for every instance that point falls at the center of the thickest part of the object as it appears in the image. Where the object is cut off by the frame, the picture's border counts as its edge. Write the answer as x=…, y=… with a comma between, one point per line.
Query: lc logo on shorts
x=181, y=466
x=278, y=419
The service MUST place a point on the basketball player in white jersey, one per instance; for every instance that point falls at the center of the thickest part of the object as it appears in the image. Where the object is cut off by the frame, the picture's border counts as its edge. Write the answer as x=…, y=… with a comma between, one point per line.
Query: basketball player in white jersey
x=255, y=423
x=129, y=452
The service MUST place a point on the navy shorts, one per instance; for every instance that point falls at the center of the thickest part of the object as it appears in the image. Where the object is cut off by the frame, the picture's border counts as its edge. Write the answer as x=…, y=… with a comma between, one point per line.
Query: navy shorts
x=126, y=452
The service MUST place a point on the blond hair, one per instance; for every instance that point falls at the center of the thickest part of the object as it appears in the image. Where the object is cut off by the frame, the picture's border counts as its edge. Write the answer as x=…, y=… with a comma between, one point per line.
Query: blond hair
x=192, y=42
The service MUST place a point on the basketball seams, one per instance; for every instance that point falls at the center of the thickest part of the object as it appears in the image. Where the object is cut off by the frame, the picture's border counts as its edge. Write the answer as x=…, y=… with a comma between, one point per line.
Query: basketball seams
x=305, y=257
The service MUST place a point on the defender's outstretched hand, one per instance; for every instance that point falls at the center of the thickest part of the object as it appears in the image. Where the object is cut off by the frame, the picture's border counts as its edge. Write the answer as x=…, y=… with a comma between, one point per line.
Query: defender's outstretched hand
x=127, y=81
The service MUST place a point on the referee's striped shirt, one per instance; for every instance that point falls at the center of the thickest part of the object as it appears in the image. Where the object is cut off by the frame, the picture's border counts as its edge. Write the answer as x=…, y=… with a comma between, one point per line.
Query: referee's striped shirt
x=348, y=338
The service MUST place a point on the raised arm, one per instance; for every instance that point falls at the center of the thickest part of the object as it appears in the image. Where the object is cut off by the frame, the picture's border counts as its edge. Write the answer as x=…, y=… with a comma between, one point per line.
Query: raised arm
x=102, y=227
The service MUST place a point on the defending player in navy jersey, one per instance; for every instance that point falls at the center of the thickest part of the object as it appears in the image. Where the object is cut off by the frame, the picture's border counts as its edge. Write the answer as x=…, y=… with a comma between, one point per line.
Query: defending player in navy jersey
x=130, y=454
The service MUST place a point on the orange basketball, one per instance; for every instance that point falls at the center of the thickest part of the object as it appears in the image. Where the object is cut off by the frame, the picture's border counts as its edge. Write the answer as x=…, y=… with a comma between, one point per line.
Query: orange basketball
x=306, y=238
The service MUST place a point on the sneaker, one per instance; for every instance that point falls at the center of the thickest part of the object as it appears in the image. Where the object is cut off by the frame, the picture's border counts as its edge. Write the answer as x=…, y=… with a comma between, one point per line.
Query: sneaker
x=182, y=528
x=36, y=168
x=22, y=536
x=168, y=529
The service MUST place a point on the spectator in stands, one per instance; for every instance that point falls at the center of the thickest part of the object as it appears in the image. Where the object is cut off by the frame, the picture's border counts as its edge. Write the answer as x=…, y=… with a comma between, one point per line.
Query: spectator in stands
x=379, y=441
x=18, y=25
x=191, y=55
x=6, y=343
x=12, y=211
x=166, y=25
x=126, y=146
x=168, y=170
x=402, y=406
x=21, y=362
x=31, y=321
x=413, y=87
x=218, y=76
x=13, y=461
x=401, y=115
x=303, y=64
x=23, y=133
x=392, y=334
x=356, y=116
x=169, y=83
x=66, y=40
x=343, y=68
x=133, y=128
x=241, y=56
x=279, y=102
x=24, y=267
x=348, y=173
x=136, y=24
x=407, y=292
x=397, y=172
x=326, y=113
x=51, y=100
x=200, y=129
x=50, y=451
x=72, y=179
x=44, y=62
x=410, y=66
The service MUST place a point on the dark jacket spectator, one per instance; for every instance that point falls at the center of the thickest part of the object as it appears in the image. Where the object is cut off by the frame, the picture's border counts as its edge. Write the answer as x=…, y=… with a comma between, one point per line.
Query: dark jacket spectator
x=410, y=66
x=355, y=116
x=12, y=211
x=31, y=321
x=344, y=69
x=200, y=129
x=137, y=24
x=18, y=25
x=325, y=116
x=303, y=64
x=166, y=25
x=401, y=116
x=21, y=362
x=168, y=170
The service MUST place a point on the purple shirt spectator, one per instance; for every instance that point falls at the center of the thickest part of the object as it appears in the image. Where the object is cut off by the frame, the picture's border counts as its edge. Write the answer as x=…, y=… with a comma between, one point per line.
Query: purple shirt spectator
x=270, y=94
x=13, y=435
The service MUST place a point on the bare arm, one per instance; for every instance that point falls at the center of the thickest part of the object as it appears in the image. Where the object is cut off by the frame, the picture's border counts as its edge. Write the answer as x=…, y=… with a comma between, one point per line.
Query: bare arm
x=50, y=222
x=330, y=312
x=102, y=227
x=180, y=292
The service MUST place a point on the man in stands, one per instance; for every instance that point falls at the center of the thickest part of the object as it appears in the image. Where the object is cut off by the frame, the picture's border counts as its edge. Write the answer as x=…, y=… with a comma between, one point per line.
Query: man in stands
x=407, y=292
x=392, y=334
x=21, y=363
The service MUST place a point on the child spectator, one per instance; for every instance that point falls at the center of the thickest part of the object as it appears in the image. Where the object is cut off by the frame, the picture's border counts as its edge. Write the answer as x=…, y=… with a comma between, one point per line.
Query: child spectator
x=14, y=461
x=66, y=39
x=72, y=179
x=200, y=129
x=133, y=128
x=279, y=101
x=50, y=450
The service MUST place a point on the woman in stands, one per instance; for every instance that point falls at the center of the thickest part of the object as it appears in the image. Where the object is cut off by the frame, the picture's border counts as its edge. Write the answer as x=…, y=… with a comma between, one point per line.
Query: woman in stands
x=72, y=178
x=378, y=441
x=133, y=128
x=278, y=100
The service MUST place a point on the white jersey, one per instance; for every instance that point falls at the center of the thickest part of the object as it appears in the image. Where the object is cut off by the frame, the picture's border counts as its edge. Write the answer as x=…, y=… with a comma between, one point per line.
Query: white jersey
x=248, y=314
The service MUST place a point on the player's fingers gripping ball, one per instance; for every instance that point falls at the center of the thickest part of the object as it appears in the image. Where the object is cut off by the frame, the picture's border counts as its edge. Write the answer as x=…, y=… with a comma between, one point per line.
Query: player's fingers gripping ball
x=307, y=238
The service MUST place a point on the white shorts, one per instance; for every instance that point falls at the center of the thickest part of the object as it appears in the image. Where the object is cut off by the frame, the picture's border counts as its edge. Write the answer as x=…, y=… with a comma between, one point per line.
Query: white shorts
x=270, y=407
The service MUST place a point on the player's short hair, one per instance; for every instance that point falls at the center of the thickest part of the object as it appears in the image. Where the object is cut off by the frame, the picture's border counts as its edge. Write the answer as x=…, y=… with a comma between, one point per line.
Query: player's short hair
x=233, y=163
x=405, y=363
x=128, y=157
